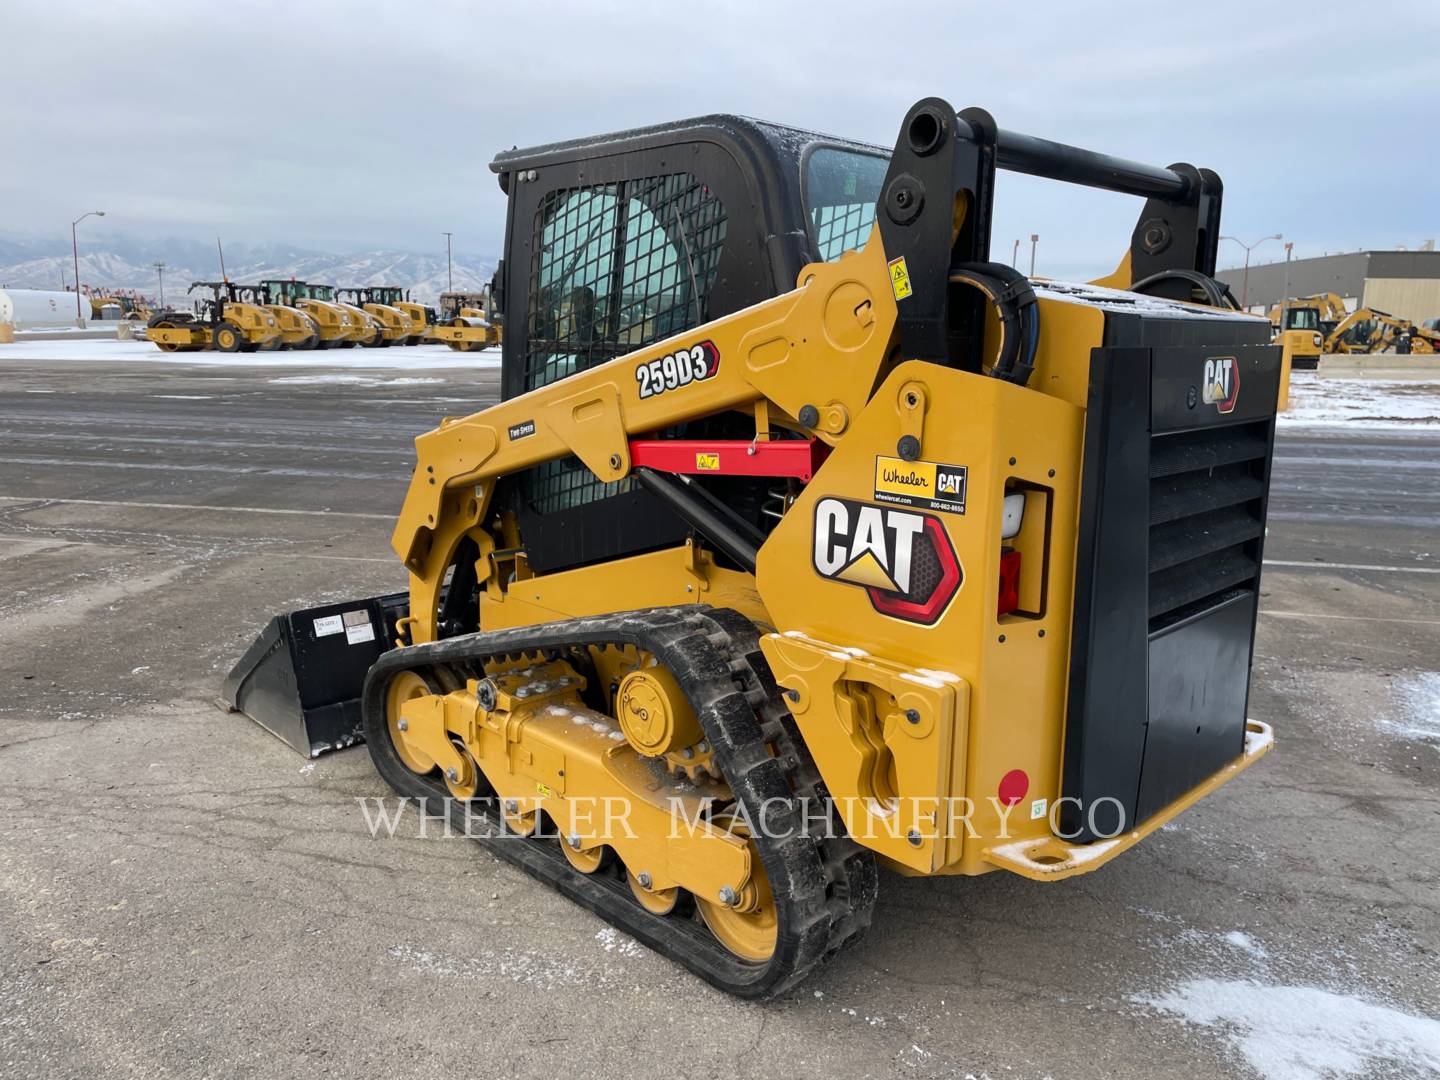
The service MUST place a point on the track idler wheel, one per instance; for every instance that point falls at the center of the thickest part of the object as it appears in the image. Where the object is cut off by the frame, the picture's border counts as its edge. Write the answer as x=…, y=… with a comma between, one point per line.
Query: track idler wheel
x=746, y=923
x=407, y=686
x=655, y=901
x=586, y=860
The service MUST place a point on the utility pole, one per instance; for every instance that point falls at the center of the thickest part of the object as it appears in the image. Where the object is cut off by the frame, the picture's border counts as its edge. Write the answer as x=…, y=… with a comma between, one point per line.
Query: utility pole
x=1034, y=240
x=1285, y=292
x=160, y=269
x=1015, y=254
x=75, y=252
x=223, y=275
x=1245, y=280
x=449, y=269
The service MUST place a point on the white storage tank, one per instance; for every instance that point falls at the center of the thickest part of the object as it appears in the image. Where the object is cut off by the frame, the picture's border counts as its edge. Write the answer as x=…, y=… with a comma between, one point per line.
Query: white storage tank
x=39, y=309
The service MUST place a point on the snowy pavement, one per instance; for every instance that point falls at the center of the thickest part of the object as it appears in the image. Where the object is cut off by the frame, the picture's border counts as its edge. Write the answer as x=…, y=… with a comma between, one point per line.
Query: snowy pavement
x=1323, y=400
x=395, y=357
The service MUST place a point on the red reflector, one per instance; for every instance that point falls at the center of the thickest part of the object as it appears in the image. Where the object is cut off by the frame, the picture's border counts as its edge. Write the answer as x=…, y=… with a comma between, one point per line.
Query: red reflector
x=1009, y=581
x=1013, y=786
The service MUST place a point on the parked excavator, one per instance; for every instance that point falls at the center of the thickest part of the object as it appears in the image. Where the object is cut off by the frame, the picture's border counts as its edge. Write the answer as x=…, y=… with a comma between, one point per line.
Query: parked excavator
x=807, y=539
x=1305, y=323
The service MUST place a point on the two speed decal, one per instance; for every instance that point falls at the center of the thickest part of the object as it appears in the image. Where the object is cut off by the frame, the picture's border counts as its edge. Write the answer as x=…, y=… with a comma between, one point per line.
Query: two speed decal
x=680, y=368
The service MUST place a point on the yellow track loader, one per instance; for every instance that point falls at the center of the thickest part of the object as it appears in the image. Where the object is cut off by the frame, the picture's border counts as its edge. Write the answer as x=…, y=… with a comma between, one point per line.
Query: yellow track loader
x=223, y=322
x=808, y=540
x=467, y=321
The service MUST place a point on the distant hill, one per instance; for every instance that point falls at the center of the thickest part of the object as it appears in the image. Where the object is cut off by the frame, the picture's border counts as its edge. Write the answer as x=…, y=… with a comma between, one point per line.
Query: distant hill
x=127, y=264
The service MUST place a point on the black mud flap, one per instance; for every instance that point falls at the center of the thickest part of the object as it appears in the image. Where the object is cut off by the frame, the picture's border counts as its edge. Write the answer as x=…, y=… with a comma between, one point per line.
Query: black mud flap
x=301, y=678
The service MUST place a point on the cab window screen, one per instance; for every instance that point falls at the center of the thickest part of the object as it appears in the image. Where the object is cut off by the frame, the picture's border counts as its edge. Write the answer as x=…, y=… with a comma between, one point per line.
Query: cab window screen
x=841, y=189
x=616, y=267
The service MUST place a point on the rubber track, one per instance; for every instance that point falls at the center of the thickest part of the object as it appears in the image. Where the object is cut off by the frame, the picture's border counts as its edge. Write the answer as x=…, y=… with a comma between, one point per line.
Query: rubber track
x=824, y=888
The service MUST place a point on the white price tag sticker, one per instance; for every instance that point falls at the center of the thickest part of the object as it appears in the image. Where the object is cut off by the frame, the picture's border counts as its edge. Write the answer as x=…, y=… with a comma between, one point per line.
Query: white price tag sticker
x=330, y=624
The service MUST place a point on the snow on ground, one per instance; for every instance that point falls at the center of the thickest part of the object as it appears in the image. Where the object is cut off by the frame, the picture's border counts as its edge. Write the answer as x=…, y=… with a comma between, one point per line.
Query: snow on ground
x=1304, y=1033
x=1327, y=401
x=395, y=358
x=1419, y=700
x=349, y=380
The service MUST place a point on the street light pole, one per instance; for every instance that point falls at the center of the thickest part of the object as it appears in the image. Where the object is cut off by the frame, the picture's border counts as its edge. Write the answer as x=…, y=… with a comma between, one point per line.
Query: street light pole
x=449, y=270
x=75, y=253
x=1034, y=239
x=1015, y=254
x=1245, y=280
x=1285, y=292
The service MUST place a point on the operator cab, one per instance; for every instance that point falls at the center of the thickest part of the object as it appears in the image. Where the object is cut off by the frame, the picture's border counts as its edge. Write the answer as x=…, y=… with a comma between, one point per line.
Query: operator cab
x=616, y=242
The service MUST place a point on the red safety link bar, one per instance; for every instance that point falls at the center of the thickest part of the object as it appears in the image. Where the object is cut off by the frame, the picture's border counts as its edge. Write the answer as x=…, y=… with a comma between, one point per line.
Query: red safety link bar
x=730, y=457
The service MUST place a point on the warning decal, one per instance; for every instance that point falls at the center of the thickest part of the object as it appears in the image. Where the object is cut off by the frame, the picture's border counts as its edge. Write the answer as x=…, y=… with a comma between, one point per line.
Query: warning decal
x=900, y=278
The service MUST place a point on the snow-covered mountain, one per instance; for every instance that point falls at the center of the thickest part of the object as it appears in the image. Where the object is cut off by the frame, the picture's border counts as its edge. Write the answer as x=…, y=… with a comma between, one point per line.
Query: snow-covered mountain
x=122, y=264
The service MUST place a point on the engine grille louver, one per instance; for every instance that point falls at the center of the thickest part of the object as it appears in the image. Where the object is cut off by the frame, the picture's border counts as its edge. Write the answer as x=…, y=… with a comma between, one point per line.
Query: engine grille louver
x=1207, y=489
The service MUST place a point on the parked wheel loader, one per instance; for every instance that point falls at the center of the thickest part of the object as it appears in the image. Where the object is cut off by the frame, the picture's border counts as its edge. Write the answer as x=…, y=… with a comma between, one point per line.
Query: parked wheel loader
x=807, y=540
x=394, y=324
x=467, y=321
x=221, y=321
x=131, y=307
x=298, y=329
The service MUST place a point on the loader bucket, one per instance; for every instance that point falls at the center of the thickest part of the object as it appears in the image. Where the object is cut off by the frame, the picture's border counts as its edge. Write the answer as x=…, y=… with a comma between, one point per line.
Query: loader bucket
x=301, y=677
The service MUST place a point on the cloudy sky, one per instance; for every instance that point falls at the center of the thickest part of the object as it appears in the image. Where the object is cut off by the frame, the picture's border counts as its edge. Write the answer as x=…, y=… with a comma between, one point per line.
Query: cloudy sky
x=352, y=125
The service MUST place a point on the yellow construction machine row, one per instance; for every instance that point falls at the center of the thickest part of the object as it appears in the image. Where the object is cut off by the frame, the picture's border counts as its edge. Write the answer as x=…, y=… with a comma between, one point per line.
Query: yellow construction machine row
x=807, y=540
x=1321, y=324
x=291, y=314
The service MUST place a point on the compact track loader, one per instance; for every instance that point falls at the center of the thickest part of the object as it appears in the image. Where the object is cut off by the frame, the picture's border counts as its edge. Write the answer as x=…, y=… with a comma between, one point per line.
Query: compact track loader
x=222, y=322
x=806, y=540
x=467, y=321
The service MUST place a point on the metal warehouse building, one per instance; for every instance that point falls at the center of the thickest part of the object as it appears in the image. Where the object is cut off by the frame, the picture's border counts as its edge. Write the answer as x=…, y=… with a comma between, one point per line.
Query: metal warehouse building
x=1403, y=283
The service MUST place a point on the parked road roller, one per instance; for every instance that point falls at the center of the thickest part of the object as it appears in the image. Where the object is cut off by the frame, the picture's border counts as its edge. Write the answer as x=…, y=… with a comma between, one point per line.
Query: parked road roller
x=467, y=321
x=807, y=540
x=220, y=321
x=394, y=324
x=422, y=316
x=337, y=325
x=298, y=329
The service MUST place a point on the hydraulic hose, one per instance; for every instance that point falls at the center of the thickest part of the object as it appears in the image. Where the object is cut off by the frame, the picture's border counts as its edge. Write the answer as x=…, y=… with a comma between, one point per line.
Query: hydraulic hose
x=1217, y=293
x=1014, y=298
